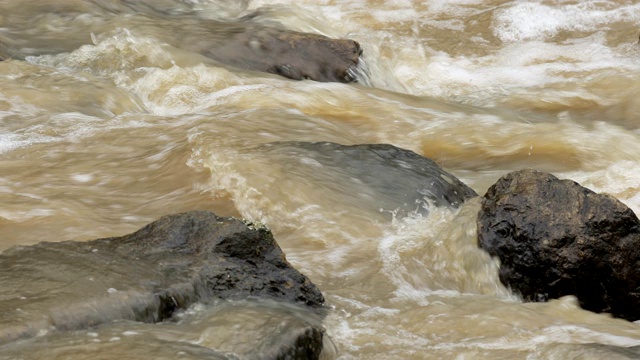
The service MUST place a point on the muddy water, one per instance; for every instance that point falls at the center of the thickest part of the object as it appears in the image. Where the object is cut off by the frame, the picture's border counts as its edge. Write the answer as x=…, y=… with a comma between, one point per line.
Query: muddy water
x=109, y=119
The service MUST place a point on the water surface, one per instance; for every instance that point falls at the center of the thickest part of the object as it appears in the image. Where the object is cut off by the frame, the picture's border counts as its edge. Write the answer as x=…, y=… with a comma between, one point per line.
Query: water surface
x=110, y=118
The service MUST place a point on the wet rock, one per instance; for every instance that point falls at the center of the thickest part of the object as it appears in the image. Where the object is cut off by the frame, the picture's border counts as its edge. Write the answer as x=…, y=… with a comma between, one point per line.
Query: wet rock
x=299, y=343
x=145, y=276
x=292, y=54
x=247, y=329
x=239, y=43
x=555, y=238
x=587, y=352
x=381, y=176
x=250, y=46
x=80, y=346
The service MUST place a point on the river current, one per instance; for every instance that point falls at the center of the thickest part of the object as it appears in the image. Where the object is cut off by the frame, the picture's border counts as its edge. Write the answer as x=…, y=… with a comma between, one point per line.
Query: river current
x=108, y=121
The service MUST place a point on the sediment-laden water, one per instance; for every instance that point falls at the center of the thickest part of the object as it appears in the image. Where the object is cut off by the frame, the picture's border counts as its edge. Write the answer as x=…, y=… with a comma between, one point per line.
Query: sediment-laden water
x=110, y=118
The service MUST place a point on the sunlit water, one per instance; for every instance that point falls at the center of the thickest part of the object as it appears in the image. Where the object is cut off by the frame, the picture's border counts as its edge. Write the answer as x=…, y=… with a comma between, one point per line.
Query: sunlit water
x=108, y=121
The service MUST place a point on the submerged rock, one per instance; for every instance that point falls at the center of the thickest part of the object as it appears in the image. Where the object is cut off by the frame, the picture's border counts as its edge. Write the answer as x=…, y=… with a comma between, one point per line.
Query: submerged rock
x=381, y=176
x=587, y=352
x=146, y=276
x=555, y=238
x=238, y=43
x=252, y=329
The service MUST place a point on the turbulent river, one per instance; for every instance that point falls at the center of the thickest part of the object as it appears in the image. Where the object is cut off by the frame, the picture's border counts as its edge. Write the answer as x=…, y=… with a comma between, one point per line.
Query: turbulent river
x=107, y=122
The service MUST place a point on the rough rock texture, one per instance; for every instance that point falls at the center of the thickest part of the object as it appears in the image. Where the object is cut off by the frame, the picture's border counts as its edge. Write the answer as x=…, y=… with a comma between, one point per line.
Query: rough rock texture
x=306, y=344
x=145, y=276
x=556, y=238
x=232, y=258
x=385, y=176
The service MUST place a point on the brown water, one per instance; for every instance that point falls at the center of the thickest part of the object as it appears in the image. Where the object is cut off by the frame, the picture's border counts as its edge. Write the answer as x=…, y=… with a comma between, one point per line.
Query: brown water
x=108, y=121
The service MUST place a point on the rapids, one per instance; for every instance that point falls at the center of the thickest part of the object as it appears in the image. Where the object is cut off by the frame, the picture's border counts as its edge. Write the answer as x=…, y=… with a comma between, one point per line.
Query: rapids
x=108, y=121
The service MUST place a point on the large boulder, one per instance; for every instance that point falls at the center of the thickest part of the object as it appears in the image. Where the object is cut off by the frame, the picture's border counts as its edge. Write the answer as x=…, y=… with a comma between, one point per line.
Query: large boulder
x=147, y=276
x=382, y=176
x=555, y=238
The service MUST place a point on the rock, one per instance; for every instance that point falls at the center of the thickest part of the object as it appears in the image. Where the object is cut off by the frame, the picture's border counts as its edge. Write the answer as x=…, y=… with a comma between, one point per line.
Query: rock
x=238, y=43
x=384, y=177
x=3, y=53
x=299, y=343
x=292, y=54
x=249, y=329
x=81, y=346
x=555, y=238
x=251, y=46
x=146, y=276
x=586, y=352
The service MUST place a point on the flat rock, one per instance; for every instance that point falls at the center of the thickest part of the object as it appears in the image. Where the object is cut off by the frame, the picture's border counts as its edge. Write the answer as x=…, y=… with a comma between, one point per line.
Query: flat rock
x=555, y=238
x=382, y=176
x=146, y=276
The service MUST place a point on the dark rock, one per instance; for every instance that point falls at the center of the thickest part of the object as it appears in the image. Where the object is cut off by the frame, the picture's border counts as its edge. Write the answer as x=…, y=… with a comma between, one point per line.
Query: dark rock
x=292, y=54
x=555, y=238
x=300, y=343
x=145, y=276
x=382, y=176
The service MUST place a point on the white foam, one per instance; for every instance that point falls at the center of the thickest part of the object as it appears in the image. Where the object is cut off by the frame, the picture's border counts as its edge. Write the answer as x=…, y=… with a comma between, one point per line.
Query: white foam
x=449, y=261
x=20, y=216
x=518, y=65
x=9, y=142
x=386, y=15
x=531, y=20
x=178, y=90
x=81, y=178
x=620, y=179
x=70, y=126
x=452, y=7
